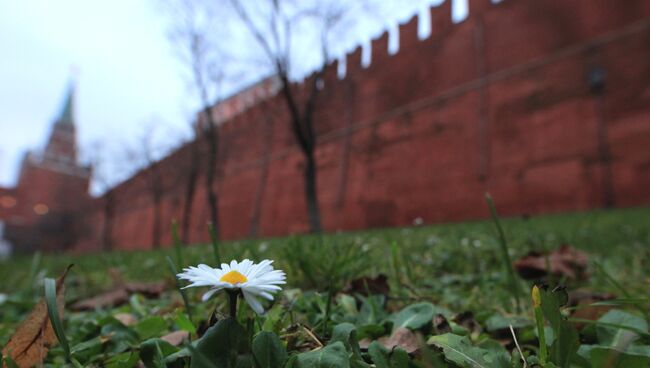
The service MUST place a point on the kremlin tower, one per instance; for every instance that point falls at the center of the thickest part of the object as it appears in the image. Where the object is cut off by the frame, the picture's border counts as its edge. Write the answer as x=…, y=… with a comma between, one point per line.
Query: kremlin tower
x=45, y=209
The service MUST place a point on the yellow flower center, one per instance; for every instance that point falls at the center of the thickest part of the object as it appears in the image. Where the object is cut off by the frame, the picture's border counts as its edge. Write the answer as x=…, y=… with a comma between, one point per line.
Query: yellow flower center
x=233, y=277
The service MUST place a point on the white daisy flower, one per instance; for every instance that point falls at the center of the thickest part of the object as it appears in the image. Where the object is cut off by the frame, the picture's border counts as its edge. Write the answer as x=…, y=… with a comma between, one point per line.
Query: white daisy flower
x=252, y=279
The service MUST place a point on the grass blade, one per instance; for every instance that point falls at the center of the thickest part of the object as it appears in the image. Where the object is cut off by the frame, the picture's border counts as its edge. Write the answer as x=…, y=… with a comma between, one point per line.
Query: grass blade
x=624, y=291
x=50, y=300
x=35, y=265
x=186, y=301
x=539, y=319
x=507, y=262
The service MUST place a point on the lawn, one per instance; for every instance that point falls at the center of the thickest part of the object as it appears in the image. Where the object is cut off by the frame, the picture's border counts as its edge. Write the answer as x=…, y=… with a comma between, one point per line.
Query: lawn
x=447, y=286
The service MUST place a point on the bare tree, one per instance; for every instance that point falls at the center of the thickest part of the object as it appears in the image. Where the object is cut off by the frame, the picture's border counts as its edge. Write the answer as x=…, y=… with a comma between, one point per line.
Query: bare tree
x=190, y=35
x=145, y=155
x=273, y=31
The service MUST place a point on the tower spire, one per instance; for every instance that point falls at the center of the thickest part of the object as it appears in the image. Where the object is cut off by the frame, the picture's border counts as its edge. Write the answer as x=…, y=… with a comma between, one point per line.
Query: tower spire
x=62, y=145
x=66, y=116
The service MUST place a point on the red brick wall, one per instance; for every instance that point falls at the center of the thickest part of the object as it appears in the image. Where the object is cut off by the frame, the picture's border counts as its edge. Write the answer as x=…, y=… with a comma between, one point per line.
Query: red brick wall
x=498, y=103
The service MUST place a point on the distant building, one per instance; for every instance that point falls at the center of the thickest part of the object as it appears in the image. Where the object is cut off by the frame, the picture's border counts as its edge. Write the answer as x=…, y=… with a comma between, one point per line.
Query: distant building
x=43, y=210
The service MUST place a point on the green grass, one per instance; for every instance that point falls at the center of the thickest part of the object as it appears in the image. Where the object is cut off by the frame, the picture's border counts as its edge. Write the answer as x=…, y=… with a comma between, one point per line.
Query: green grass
x=458, y=267
x=619, y=239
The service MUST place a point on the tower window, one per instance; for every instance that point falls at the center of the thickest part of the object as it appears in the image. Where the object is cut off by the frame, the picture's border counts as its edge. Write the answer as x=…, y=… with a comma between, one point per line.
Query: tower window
x=7, y=201
x=41, y=209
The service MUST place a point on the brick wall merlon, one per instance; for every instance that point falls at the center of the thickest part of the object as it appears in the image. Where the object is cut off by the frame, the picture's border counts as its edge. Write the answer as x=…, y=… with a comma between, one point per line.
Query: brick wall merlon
x=353, y=61
x=331, y=73
x=379, y=47
x=441, y=20
x=408, y=33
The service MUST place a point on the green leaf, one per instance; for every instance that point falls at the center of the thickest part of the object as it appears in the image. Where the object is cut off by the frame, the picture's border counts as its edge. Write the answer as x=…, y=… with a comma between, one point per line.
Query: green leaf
x=384, y=358
x=460, y=351
x=379, y=355
x=268, y=351
x=221, y=344
x=605, y=356
x=415, y=316
x=496, y=355
x=273, y=319
x=121, y=337
x=123, y=360
x=184, y=323
x=551, y=301
x=347, y=334
x=88, y=349
x=499, y=322
x=332, y=356
x=619, y=337
x=565, y=346
x=245, y=361
x=373, y=331
x=371, y=311
x=149, y=327
x=566, y=340
x=154, y=351
x=399, y=358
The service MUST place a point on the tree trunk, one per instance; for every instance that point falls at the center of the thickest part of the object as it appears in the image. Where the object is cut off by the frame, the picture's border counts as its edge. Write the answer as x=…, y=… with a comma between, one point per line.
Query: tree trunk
x=155, y=238
x=190, y=189
x=311, y=196
x=108, y=222
x=213, y=199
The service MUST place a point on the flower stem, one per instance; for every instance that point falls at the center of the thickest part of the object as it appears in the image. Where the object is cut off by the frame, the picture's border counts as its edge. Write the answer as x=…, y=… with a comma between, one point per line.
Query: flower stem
x=233, y=302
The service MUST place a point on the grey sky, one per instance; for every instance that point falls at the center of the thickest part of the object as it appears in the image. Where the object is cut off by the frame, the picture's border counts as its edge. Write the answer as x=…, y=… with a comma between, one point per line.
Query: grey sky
x=129, y=78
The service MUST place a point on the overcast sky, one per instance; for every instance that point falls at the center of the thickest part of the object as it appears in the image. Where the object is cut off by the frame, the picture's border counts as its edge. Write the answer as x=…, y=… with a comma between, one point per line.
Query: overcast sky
x=128, y=78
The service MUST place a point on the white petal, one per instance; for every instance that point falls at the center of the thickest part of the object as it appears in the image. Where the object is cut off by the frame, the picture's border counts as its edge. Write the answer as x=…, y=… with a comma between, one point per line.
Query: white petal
x=266, y=295
x=209, y=293
x=253, y=302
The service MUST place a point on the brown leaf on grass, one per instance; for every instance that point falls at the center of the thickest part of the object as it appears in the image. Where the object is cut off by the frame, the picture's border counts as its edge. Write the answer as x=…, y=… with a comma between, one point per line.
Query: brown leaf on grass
x=120, y=295
x=33, y=338
x=176, y=338
x=440, y=324
x=403, y=338
x=581, y=300
x=466, y=319
x=148, y=289
x=112, y=298
x=364, y=344
x=564, y=261
x=127, y=319
x=363, y=285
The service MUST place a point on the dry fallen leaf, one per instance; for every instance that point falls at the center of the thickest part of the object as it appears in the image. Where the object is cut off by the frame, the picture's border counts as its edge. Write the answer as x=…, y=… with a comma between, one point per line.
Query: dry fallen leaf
x=176, y=338
x=466, y=319
x=120, y=295
x=127, y=319
x=582, y=300
x=112, y=298
x=402, y=337
x=440, y=324
x=29, y=345
x=148, y=289
x=565, y=261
